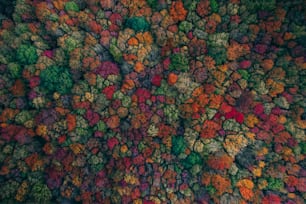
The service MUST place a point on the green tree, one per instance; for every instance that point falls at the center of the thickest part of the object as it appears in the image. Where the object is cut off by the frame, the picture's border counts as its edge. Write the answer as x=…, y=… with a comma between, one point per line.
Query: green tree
x=56, y=78
x=14, y=70
x=178, y=145
x=179, y=62
x=26, y=54
x=214, y=6
x=138, y=24
x=192, y=159
x=41, y=193
x=72, y=6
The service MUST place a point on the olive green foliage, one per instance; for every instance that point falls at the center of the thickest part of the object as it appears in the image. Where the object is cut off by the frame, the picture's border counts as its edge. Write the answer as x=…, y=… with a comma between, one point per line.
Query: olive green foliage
x=23, y=117
x=152, y=3
x=300, y=32
x=218, y=53
x=178, y=145
x=211, y=190
x=192, y=159
x=231, y=125
x=185, y=26
x=97, y=162
x=139, y=24
x=83, y=134
x=8, y=37
x=245, y=75
x=101, y=126
x=14, y=70
x=115, y=51
x=214, y=6
x=165, y=89
x=302, y=83
x=255, y=5
x=71, y=43
x=56, y=79
x=172, y=113
x=190, y=5
x=303, y=147
x=71, y=6
x=179, y=62
x=8, y=190
x=26, y=54
x=275, y=184
x=21, y=28
x=218, y=39
x=41, y=193
x=21, y=7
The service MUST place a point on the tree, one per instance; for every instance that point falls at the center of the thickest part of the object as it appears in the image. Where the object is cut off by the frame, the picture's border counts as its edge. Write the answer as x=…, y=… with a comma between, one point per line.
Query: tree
x=138, y=24
x=26, y=54
x=56, y=79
